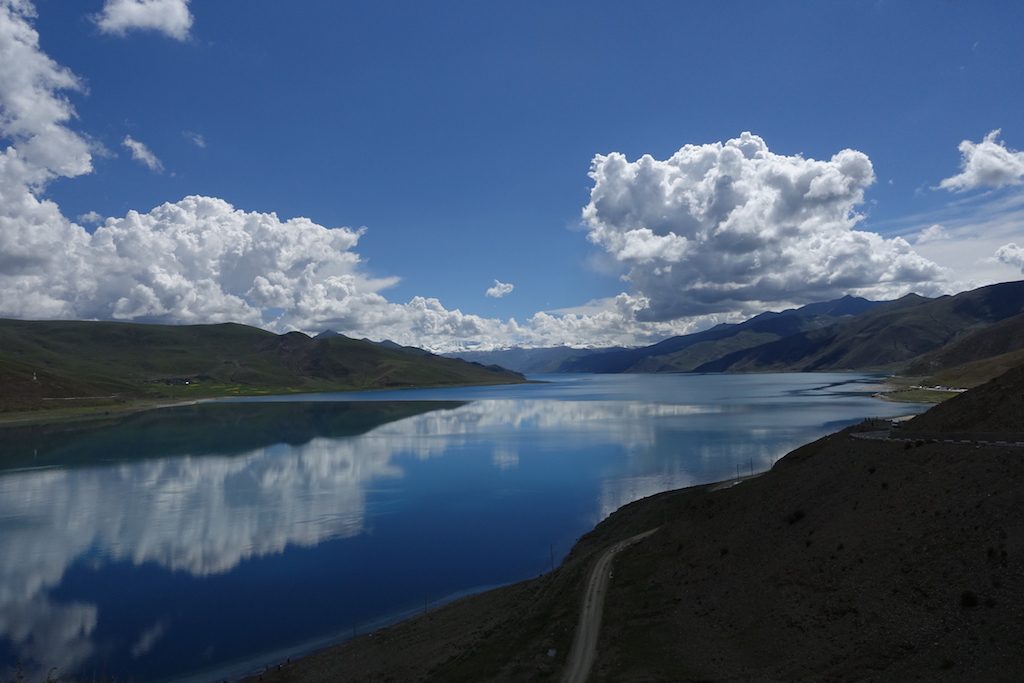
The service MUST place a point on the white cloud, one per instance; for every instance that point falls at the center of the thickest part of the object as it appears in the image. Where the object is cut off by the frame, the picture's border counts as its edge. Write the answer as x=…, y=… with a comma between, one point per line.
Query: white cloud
x=713, y=233
x=34, y=235
x=90, y=217
x=499, y=289
x=614, y=321
x=33, y=110
x=932, y=233
x=142, y=154
x=724, y=226
x=196, y=139
x=1011, y=255
x=986, y=164
x=170, y=17
x=973, y=228
x=199, y=259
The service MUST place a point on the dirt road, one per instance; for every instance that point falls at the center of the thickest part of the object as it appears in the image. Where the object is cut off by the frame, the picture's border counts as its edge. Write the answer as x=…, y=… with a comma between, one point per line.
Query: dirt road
x=584, y=645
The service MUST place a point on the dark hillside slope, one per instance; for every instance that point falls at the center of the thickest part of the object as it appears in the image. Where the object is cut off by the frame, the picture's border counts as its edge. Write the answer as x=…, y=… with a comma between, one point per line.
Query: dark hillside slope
x=1003, y=337
x=537, y=360
x=850, y=561
x=47, y=364
x=687, y=352
x=887, y=337
x=996, y=406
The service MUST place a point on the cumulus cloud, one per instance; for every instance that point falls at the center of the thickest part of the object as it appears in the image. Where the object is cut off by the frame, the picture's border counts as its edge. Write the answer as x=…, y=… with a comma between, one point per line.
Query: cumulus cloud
x=499, y=289
x=988, y=163
x=33, y=116
x=707, y=235
x=196, y=260
x=34, y=111
x=170, y=17
x=142, y=154
x=1011, y=255
x=90, y=217
x=722, y=226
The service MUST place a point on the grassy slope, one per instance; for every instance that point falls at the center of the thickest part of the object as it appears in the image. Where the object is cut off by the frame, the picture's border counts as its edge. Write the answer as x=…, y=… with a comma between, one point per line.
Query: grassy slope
x=977, y=372
x=101, y=362
x=849, y=560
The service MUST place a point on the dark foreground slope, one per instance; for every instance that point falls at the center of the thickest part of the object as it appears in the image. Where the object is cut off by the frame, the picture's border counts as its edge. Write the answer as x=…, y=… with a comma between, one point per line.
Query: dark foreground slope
x=55, y=365
x=851, y=560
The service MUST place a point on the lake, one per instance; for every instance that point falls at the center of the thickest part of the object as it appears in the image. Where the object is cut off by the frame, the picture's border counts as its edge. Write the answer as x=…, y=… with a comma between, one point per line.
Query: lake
x=202, y=542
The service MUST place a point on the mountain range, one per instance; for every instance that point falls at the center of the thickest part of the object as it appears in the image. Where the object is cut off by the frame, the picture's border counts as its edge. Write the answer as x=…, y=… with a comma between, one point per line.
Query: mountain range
x=970, y=337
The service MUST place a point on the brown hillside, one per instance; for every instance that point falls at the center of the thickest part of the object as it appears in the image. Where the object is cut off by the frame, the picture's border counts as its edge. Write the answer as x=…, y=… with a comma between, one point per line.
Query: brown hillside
x=1005, y=336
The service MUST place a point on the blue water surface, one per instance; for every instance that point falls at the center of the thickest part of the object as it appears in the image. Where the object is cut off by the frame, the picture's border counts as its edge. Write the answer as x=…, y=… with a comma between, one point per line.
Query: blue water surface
x=202, y=542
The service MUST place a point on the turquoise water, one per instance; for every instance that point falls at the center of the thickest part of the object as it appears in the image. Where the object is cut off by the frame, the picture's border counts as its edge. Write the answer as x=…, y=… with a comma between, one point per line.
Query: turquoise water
x=205, y=541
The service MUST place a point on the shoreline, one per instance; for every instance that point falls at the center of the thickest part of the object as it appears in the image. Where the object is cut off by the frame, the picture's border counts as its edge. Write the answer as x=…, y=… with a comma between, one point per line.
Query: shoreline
x=131, y=406
x=253, y=667
x=284, y=658
x=89, y=413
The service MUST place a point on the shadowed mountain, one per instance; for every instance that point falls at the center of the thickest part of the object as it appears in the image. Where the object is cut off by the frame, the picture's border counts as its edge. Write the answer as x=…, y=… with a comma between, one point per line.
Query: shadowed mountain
x=385, y=344
x=888, y=337
x=47, y=364
x=975, y=348
x=689, y=352
x=547, y=359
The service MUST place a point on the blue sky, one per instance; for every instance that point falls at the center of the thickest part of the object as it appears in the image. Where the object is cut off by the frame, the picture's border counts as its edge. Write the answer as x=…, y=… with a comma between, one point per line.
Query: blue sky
x=460, y=134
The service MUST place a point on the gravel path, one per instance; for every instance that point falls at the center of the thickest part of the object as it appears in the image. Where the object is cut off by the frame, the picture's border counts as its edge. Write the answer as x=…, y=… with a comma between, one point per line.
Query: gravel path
x=584, y=645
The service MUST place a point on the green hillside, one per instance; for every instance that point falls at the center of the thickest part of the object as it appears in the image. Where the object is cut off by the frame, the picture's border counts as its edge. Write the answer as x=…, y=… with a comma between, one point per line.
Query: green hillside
x=56, y=365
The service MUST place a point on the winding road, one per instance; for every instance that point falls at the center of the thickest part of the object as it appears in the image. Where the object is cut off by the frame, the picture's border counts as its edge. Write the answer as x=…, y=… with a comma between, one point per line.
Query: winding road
x=886, y=435
x=584, y=644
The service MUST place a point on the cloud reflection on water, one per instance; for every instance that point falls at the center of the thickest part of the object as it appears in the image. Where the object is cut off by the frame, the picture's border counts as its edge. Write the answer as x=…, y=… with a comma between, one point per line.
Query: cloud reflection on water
x=204, y=512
